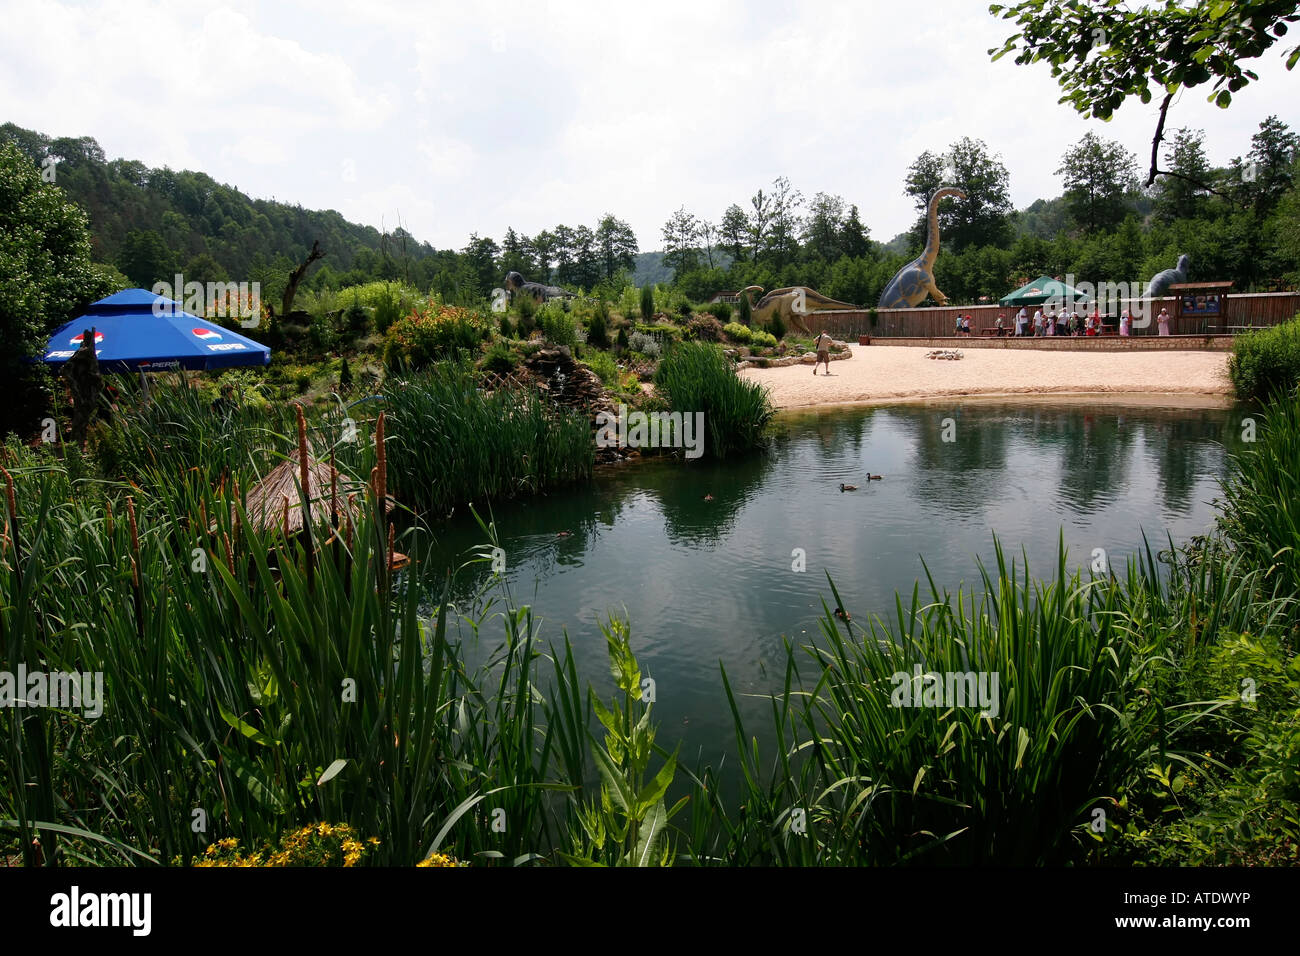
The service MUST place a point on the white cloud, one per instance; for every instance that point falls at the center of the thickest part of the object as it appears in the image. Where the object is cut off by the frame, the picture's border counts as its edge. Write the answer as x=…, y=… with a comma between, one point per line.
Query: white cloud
x=476, y=117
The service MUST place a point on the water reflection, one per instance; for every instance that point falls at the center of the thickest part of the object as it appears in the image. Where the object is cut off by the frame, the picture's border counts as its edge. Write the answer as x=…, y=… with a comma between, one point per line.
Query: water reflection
x=720, y=562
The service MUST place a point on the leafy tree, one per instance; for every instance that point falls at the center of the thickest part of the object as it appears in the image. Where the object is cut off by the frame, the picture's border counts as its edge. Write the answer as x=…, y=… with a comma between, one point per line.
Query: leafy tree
x=681, y=242
x=481, y=263
x=1099, y=176
x=823, y=231
x=855, y=238
x=145, y=259
x=562, y=250
x=782, y=238
x=585, y=270
x=544, y=247
x=46, y=278
x=1269, y=170
x=733, y=232
x=1179, y=196
x=516, y=255
x=1101, y=52
x=984, y=216
x=617, y=245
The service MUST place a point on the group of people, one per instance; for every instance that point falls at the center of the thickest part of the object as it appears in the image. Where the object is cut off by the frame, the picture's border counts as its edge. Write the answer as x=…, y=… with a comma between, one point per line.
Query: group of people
x=1066, y=323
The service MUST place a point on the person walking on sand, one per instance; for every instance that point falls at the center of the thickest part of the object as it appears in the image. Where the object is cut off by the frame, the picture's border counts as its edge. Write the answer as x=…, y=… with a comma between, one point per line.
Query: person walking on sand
x=1038, y=322
x=1022, y=321
x=823, y=348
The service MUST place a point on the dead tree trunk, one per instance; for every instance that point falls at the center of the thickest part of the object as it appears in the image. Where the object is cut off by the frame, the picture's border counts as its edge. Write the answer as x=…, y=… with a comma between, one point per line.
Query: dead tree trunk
x=286, y=304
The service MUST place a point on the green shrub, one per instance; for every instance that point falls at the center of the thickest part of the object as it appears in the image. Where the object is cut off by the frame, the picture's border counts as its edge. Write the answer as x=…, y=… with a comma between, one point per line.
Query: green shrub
x=704, y=328
x=697, y=377
x=746, y=311
x=764, y=339
x=1266, y=361
x=345, y=374
x=622, y=343
x=603, y=364
x=507, y=330
x=647, y=303
x=500, y=359
x=777, y=326
x=737, y=332
x=598, y=327
x=558, y=326
x=424, y=336
x=356, y=319
x=720, y=311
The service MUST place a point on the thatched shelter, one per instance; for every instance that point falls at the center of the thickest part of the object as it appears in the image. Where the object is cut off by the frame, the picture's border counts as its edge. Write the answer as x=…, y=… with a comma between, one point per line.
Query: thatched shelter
x=275, y=504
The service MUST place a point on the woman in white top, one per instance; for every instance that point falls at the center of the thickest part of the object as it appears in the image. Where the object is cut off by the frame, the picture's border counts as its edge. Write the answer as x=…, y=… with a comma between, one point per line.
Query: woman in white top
x=1050, y=324
x=1125, y=323
x=1022, y=320
x=1038, y=322
x=1163, y=321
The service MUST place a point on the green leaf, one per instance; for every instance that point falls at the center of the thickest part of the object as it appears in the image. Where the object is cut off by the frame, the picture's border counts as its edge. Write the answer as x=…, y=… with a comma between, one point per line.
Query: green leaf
x=1223, y=100
x=651, y=830
x=653, y=791
x=617, y=788
x=1022, y=744
x=332, y=771
x=248, y=730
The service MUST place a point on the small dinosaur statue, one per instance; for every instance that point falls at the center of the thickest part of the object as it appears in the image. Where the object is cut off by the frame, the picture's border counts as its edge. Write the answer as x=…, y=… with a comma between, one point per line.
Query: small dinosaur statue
x=517, y=283
x=1163, y=280
x=792, y=304
x=915, y=280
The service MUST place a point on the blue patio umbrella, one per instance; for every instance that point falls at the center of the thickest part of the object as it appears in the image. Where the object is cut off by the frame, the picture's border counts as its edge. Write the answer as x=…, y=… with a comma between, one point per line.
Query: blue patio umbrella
x=138, y=331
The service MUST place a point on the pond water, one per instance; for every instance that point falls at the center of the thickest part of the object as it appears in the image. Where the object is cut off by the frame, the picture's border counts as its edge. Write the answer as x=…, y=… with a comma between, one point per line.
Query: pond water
x=705, y=581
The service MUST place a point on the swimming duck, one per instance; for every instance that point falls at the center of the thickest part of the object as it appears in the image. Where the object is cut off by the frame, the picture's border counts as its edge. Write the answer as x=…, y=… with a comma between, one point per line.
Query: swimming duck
x=842, y=614
x=708, y=497
x=844, y=487
x=871, y=477
x=563, y=534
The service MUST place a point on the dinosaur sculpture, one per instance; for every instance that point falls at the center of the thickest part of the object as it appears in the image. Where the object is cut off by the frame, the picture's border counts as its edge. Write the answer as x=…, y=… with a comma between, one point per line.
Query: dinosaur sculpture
x=543, y=293
x=792, y=304
x=915, y=280
x=1161, y=281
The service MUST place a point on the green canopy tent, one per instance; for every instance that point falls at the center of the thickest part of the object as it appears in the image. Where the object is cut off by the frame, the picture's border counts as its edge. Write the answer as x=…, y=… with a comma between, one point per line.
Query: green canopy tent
x=1044, y=289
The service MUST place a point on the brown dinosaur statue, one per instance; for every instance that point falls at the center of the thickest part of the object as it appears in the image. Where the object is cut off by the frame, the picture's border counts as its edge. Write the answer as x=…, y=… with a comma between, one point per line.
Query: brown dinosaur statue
x=915, y=281
x=792, y=304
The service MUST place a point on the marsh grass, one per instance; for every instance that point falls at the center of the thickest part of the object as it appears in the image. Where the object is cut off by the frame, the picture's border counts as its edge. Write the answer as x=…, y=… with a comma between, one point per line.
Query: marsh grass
x=453, y=443
x=696, y=377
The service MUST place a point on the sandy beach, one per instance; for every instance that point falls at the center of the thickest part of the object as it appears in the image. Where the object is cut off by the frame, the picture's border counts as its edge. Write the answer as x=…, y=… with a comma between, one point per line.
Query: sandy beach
x=894, y=373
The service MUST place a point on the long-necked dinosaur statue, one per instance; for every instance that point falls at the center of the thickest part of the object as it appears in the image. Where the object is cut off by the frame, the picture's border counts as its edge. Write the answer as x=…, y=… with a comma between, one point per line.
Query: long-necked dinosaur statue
x=792, y=304
x=915, y=280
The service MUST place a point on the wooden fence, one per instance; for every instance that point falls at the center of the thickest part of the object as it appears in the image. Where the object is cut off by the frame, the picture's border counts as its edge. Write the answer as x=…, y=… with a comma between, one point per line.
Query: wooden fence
x=1255, y=310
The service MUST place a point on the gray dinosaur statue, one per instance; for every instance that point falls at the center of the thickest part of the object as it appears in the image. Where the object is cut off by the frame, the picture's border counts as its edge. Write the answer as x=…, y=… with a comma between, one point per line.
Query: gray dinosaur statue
x=915, y=280
x=1161, y=281
x=543, y=293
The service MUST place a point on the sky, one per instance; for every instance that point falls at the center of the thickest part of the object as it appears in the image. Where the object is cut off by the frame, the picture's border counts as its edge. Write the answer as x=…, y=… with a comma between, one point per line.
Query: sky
x=468, y=117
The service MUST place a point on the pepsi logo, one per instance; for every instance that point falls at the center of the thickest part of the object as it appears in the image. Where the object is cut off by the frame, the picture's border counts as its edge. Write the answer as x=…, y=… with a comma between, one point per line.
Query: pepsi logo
x=207, y=335
x=81, y=336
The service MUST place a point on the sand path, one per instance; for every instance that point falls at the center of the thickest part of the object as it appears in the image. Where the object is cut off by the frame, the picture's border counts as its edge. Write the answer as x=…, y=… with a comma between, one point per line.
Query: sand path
x=890, y=373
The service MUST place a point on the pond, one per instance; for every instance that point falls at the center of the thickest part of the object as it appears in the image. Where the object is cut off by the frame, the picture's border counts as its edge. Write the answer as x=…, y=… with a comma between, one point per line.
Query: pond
x=702, y=556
